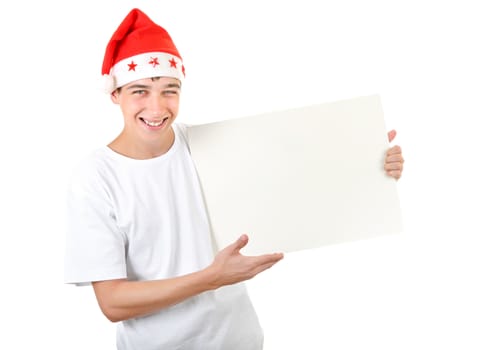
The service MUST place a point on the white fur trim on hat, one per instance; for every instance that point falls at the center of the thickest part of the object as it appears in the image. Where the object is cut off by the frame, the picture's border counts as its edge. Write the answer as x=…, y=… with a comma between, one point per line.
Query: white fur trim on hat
x=147, y=65
x=108, y=83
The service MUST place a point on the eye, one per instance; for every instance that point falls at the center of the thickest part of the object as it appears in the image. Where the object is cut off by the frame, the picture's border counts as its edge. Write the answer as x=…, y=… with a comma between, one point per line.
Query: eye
x=138, y=92
x=170, y=92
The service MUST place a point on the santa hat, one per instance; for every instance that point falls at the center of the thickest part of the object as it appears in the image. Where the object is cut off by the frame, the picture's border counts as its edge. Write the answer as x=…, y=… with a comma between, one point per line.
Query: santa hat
x=139, y=49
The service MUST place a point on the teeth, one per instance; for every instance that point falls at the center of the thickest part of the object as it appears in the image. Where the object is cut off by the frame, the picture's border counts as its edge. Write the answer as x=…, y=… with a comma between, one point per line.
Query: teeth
x=153, y=123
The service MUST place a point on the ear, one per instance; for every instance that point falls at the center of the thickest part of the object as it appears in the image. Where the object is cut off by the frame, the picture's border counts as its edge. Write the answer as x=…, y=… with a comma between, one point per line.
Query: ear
x=114, y=97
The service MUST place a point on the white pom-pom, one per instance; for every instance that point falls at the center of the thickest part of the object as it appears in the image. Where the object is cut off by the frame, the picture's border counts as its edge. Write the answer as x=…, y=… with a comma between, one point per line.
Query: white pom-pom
x=109, y=83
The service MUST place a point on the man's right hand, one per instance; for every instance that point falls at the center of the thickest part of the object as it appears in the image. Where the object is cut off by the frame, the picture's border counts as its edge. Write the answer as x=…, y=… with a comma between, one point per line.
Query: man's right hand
x=230, y=266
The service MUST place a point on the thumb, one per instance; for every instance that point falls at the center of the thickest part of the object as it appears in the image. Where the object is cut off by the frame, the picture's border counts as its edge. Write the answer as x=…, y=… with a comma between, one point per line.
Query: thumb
x=391, y=135
x=241, y=242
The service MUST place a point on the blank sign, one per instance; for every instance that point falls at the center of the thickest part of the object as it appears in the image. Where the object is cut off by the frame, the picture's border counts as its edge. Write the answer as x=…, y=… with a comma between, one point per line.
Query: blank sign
x=298, y=179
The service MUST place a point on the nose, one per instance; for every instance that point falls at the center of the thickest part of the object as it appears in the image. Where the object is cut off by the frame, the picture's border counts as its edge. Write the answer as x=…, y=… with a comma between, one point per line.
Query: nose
x=156, y=107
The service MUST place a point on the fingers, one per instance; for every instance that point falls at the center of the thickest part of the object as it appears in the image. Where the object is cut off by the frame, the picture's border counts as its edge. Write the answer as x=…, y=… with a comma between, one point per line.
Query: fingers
x=394, y=162
x=264, y=262
x=394, y=150
x=266, y=259
x=262, y=268
x=394, y=158
x=388, y=166
x=394, y=169
x=230, y=266
x=393, y=166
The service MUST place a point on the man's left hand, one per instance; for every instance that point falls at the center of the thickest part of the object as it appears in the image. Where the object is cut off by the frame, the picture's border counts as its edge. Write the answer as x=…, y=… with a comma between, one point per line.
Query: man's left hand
x=394, y=158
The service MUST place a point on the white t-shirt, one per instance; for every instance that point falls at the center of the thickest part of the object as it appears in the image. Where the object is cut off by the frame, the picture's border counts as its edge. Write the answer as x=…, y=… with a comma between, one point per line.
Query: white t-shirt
x=146, y=220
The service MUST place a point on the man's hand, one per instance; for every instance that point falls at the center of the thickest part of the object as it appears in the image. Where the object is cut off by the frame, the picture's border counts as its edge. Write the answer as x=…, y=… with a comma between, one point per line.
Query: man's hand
x=394, y=158
x=230, y=266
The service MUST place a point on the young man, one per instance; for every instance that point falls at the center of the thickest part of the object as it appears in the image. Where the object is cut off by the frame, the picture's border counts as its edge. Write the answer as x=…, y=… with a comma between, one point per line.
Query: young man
x=137, y=226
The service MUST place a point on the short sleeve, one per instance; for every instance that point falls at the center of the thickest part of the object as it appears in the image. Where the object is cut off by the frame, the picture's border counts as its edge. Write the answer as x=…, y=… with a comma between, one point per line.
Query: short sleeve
x=182, y=132
x=95, y=247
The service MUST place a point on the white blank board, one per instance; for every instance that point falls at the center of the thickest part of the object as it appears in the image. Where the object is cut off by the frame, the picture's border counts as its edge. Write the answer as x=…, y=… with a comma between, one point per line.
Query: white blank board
x=298, y=179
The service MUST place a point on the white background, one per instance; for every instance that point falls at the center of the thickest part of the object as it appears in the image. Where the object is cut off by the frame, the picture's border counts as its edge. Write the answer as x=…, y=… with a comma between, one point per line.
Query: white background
x=435, y=65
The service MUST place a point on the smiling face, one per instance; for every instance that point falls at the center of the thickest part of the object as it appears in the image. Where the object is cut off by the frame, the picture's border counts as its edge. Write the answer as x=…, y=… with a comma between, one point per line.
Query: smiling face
x=149, y=107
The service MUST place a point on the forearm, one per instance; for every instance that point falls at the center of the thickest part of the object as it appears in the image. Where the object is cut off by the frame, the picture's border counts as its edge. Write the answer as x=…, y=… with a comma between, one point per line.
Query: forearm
x=121, y=299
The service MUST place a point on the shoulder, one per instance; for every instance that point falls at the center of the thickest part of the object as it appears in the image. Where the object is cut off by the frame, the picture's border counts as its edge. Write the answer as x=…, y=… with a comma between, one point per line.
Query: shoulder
x=180, y=128
x=181, y=131
x=90, y=170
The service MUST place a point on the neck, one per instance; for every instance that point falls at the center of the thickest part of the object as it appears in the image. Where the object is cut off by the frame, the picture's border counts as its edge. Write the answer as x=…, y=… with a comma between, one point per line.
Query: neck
x=140, y=149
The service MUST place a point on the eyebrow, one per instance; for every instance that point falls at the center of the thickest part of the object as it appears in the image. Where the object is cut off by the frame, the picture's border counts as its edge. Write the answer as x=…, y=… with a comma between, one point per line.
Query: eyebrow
x=173, y=85
x=140, y=86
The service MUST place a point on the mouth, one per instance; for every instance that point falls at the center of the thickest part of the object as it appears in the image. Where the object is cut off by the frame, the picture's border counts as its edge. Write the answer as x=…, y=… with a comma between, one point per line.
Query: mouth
x=154, y=124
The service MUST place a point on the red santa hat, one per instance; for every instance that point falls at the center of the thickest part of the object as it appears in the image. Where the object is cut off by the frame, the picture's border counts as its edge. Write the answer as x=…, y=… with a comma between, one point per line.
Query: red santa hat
x=139, y=49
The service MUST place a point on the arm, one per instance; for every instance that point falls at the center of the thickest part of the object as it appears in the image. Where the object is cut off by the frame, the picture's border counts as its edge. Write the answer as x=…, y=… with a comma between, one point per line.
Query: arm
x=122, y=299
x=394, y=159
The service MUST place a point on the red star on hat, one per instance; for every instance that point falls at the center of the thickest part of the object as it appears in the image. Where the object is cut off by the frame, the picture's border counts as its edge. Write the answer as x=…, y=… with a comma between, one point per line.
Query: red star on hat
x=131, y=66
x=154, y=61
